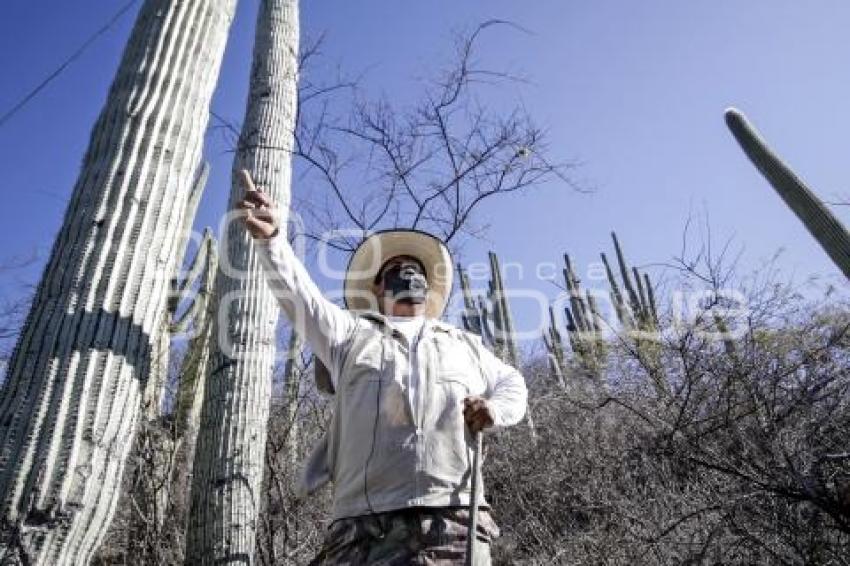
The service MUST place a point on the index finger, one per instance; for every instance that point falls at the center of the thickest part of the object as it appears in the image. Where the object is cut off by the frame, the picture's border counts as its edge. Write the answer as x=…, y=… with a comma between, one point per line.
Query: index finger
x=246, y=180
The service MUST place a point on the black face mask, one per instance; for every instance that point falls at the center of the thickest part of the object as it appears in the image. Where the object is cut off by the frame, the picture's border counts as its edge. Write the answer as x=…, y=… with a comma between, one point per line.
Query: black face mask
x=406, y=283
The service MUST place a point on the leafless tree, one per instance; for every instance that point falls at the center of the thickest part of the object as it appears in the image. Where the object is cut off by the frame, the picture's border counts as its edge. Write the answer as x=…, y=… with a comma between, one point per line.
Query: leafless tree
x=370, y=164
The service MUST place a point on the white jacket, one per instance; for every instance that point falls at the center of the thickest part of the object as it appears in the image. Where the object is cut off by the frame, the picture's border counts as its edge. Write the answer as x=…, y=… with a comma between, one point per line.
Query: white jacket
x=385, y=449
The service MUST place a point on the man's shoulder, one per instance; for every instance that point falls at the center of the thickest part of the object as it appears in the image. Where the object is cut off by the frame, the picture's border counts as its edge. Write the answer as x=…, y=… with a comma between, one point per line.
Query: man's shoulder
x=370, y=322
x=459, y=333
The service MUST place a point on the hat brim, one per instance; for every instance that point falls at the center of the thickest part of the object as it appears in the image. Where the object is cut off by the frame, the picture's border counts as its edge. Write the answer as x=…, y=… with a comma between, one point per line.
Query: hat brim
x=379, y=247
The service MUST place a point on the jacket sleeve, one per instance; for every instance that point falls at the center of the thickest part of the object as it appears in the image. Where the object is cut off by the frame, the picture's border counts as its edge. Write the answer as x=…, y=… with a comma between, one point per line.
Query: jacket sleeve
x=506, y=394
x=323, y=324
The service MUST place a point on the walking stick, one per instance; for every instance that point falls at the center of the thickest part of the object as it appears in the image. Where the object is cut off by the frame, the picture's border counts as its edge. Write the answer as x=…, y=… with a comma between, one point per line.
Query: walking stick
x=473, y=502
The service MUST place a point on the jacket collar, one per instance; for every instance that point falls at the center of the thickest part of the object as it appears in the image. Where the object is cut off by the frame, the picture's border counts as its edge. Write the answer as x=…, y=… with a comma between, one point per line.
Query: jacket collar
x=383, y=322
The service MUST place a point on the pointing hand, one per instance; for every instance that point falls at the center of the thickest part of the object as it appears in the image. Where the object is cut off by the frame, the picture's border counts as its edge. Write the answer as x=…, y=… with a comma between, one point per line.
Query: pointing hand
x=260, y=214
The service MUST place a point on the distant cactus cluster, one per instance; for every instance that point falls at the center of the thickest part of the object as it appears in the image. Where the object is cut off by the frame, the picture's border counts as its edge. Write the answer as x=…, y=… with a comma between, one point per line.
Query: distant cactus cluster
x=490, y=316
x=640, y=312
x=585, y=349
x=633, y=301
x=584, y=330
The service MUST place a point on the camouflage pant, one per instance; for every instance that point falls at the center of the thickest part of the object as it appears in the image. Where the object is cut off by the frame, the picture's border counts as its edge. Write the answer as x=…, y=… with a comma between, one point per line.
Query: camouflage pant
x=418, y=535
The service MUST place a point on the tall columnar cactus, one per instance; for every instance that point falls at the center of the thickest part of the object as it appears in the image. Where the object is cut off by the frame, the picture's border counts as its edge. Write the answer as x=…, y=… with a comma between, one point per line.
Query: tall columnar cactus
x=199, y=315
x=156, y=379
x=503, y=325
x=161, y=449
x=636, y=309
x=292, y=382
x=70, y=405
x=471, y=316
x=637, y=313
x=229, y=458
x=583, y=324
x=555, y=348
x=487, y=334
x=818, y=219
x=490, y=316
x=180, y=282
x=166, y=448
x=620, y=308
x=496, y=320
x=584, y=331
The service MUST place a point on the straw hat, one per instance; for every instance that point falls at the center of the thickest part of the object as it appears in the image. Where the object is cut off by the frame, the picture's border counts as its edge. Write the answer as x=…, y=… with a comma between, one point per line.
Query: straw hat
x=381, y=246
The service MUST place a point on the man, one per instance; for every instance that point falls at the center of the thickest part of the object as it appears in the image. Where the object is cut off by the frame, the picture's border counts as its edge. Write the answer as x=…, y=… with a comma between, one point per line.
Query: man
x=410, y=393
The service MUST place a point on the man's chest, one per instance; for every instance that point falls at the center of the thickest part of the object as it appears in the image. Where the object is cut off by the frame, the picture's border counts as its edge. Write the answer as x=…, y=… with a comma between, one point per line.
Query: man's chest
x=411, y=382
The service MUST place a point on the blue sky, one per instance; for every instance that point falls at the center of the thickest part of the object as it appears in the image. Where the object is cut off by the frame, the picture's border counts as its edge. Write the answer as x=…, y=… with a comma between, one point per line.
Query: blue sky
x=633, y=90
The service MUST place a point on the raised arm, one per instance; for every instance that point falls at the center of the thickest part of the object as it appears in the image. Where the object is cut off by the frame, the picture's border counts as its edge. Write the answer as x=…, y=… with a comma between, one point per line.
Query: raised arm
x=323, y=324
